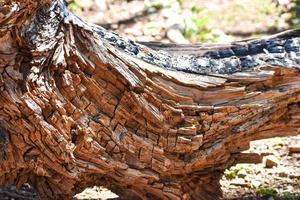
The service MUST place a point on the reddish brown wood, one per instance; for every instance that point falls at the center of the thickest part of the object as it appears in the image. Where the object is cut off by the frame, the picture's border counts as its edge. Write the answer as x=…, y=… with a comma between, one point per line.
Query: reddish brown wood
x=77, y=111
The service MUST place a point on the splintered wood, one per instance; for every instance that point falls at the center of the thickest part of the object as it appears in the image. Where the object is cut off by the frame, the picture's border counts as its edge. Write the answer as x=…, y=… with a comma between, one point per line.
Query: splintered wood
x=80, y=106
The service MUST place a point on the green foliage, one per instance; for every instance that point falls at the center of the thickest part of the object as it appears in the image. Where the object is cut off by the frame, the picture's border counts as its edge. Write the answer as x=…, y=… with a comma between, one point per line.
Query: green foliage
x=196, y=26
x=233, y=172
x=270, y=192
x=180, y=2
x=157, y=4
x=73, y=6
x=267, y=192
x=294, y=20
x=290, y=196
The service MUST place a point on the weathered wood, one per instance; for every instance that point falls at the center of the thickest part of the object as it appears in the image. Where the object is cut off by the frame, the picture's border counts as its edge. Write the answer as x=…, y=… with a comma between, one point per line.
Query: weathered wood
x=81, y=106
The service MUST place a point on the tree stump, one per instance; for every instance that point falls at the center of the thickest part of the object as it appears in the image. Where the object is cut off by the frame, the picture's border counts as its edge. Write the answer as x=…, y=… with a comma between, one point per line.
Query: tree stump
x=82, y=106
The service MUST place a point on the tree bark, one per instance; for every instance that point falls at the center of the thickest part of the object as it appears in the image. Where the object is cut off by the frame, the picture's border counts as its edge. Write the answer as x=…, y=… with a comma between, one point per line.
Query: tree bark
x=81, y=106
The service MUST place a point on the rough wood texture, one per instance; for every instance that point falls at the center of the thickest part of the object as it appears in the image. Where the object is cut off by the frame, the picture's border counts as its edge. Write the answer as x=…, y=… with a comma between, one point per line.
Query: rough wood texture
x=80, y=106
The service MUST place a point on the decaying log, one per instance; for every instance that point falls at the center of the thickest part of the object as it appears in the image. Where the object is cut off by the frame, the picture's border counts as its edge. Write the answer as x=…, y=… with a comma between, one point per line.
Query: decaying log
x=81, y=106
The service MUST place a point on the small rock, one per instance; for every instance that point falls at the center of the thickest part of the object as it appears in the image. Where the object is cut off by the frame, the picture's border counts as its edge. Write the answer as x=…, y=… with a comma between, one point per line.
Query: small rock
x=294, y=149
x=239, y=182
x=296, y=176
x=289, y=189
x=284, y=2
x=233, y=187
x=255, y=183
x=282, y=174
x=270, y=161
x=175, y=35
x=277, y=147
x=242, y=173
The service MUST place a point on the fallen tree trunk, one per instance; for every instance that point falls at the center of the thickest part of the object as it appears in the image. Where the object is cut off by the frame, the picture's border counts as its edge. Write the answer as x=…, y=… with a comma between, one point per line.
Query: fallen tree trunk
x=81, y=106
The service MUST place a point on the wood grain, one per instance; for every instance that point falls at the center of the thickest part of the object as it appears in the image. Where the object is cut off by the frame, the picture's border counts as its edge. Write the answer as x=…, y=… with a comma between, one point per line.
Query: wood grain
x=80, y=106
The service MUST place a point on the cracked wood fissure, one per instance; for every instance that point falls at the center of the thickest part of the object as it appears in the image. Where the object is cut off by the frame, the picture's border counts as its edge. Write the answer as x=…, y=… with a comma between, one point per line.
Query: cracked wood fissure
x=81, y=106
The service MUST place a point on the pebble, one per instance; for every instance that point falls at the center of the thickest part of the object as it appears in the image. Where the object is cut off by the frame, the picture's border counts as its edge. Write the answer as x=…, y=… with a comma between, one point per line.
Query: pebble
x=239, y=182
x=295, y=176
x=255, y=183
x=242, y=173
x=270, y=161
x=294, y=149
x=282, y=174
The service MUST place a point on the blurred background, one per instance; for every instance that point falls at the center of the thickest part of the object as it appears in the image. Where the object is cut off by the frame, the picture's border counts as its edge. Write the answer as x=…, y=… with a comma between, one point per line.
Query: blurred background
x=186, y=21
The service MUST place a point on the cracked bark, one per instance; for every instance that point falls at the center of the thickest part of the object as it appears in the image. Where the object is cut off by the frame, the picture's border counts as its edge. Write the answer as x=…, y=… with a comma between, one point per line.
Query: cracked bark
x=80, y=106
